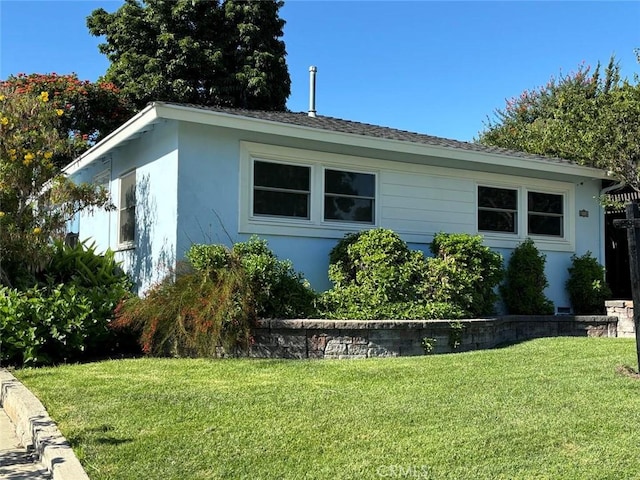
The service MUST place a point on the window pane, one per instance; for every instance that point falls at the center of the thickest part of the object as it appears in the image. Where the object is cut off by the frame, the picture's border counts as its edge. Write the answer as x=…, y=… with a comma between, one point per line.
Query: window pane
x=127, y=225
x=348, y=209
x=350, y=183
x=128, y=190
x=277, y=175
x=283, y=204
x=503, y=198
x=545, y=202
x=495, y=221
x=545, y=225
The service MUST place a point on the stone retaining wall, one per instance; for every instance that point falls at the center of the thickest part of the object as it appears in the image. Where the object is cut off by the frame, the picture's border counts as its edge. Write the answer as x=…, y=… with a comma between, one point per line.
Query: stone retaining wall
x=623, y=309
x=390, y=338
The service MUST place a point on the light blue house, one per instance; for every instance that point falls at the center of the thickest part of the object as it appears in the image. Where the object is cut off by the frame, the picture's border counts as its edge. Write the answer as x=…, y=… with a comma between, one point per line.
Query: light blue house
x=182, y=174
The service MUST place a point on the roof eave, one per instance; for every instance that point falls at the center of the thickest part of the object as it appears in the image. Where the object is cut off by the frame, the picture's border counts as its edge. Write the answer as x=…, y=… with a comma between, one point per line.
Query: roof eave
x=136, y=124
x=159, y=110
x=222, y=119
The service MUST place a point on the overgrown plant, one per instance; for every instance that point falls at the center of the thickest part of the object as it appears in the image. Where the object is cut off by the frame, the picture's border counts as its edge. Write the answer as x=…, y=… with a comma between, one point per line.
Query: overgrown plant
x=376, y=275
x=213, y=300
x=193, y=313
x=586, y=285
x=278, y=290
x=525, y=281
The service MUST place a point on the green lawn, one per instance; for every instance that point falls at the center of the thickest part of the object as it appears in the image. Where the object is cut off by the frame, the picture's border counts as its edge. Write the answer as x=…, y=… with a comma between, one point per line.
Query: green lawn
x=549, y=408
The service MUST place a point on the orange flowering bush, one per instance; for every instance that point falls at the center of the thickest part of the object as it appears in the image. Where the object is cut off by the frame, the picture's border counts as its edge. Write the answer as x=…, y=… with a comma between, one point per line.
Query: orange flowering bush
x=88, y=111
x=35, y=200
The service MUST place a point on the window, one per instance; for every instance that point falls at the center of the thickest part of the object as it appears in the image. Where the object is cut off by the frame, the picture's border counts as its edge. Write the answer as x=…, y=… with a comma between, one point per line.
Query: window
x=127, y=209
x=545, y=214
x=281, y=190
x=349, y=196
x=497, y=210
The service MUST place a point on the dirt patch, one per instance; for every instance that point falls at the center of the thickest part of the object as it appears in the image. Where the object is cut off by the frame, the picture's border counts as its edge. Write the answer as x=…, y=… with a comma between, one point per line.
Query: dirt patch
x=627, y=371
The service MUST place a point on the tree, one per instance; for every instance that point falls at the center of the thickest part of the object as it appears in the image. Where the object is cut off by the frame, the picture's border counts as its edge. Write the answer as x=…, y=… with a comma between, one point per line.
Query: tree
x=90, y=110
x=204, y=52
x=36, y=201
x=591, y=119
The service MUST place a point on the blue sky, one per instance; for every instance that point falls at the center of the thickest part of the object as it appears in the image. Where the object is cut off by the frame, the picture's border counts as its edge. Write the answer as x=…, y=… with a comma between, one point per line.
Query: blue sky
x=432, y=67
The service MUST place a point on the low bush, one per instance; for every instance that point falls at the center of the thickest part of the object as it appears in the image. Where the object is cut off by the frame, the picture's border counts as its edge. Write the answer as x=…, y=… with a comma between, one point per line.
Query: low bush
x=67, y=316
x=278, y=290
x=586, y=285
x=213, y=300
x=525, y=281
x=375, y=275
x=464, y=272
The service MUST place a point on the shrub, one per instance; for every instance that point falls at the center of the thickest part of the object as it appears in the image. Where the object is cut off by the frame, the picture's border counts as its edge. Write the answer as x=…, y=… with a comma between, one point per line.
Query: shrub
x=464, y=272
x=67, y=316
x=586, y=285
x=192, y=313
x=376, y=276
x=278, y=290
x=525, y=281
x=213, y=300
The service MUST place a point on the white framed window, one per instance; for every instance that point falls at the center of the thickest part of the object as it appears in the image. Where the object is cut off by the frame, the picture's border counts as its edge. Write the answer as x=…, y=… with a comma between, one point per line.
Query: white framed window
x=127, y=210
x=545, y=214
x=281, y=190
x=497, y=209
x=102, y=179
x=521, y=211
x=349, y=196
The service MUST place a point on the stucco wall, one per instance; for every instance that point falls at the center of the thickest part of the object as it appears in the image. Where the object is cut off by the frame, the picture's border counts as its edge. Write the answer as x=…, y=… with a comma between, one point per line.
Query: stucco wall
x=154, y=156
x=416, y=199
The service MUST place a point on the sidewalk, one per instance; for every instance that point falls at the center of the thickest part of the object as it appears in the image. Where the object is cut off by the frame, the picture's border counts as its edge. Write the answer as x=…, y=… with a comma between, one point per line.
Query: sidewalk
x=16, y=463
x=24, y=422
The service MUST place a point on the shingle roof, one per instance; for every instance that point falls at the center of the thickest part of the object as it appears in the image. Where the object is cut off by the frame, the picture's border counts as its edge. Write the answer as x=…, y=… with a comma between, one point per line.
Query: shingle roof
x=365, y=129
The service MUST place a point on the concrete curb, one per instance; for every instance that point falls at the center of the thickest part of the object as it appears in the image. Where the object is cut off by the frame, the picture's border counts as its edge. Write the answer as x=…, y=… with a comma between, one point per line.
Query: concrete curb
x=35, y=429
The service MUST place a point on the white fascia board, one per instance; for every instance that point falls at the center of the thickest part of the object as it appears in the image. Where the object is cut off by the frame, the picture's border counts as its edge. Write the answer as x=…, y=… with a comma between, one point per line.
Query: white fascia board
x=221, y=119
x=134, y=125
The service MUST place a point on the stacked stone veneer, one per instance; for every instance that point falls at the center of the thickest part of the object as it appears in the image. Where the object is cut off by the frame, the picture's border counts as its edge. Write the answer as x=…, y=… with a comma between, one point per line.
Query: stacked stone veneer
x=623, y=309
x=389, y=338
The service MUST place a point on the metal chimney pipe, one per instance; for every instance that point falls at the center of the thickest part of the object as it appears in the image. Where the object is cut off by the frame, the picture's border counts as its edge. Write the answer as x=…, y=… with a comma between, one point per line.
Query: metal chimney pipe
x=312, y=91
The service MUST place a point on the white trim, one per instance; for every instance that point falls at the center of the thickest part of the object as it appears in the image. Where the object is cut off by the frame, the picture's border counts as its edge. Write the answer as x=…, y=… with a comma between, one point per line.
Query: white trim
x=133, y=126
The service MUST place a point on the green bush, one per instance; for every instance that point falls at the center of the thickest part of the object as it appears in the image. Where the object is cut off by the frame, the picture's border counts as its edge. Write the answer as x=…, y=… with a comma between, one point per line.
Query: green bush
x=214, y=300
x=464, y=272
x=586, y=285
x=525, y=281
x=66, y=317
x=376, y=276
x=193, y=313
x=278, y=290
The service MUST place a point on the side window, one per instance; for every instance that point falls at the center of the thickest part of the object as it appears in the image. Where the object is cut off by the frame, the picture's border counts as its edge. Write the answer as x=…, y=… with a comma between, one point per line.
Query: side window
x=545, y=214
x=127, y=209
x=497, y=210
x=349, y=196
x=281, y=190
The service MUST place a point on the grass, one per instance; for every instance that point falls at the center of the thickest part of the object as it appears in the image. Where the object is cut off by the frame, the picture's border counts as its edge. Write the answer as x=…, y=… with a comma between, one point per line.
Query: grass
x=545, y=409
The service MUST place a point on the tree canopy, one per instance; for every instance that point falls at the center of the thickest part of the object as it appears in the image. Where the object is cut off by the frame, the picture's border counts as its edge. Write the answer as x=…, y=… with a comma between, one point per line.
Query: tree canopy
x=205, y=52
x=590, y=118
x=90, y=111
